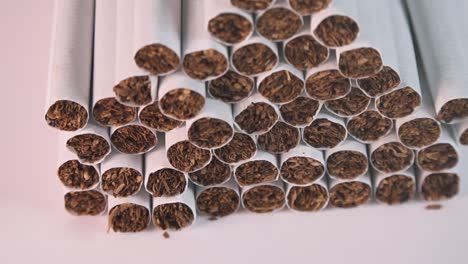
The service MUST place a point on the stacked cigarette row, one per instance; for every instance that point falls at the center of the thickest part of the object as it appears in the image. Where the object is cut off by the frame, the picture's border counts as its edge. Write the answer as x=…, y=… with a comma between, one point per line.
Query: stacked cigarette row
x=276, y=142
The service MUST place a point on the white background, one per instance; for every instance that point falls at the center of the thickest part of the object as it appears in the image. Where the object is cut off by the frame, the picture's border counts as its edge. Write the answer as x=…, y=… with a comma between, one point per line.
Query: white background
x=35, y=229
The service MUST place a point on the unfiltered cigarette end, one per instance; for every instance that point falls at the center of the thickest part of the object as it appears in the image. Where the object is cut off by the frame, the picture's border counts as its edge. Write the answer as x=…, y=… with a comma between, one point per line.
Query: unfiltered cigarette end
x=281, y=138
x=354, y=103
x=392, y=157
x=75, y=175
x=252, y=5
x=281, y=87
x=66, y=115
x=89, y=148
x=121, y=182
x=360, y=63
x=173, y=216
x=347, y=164
x=438, y=157
x=216, y=172
x=323, y=133
x=152, y=116
x=327, y=85
x=231, y=87
x=254, y=58
x=369, y=126
x=350, y=194
x=166, y=182
x=278, y=24
x=399, y=103
x=210, y=132
x=396, y=189
x=301, y=170
x=311, y=198
x=182, y=103
x=264, y=199
x=218, y=201
x=256, y=172
x=241, y=147
x=419, y=132
x=204, y=64
x=157, y=59
x=85, y=202
x=134, y=90
x=464, y=137
x=307, y=7
x=454, y=109
x=230, y=28
x=440, y=186
x=133, y=139
x=109, y=112
x=186, y=157
x=380, y=83
x=128, y=217
x=337, y=31
x=304, y=52
x=300, y=112
x=257, y=118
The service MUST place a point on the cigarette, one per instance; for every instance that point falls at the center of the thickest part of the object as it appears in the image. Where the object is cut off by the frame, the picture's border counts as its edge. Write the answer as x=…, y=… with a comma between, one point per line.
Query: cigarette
x=69, y=77
x=308, y=7
x=388, y=155
x=161, y=179
x=80, y=203
x=226, y=23
x=261, y=169
x=135, y=86
x=325, y=132
x=213, y=126
x=122, y=175
x=440, y=156
x=129, y=214
x=438, y=186
x=158, y=50
x=218, y=201
x=152, y=117
x=348, y=161
x=310, y=198
x=461, y=132
x=133, y=138
x=395, y=188
x=281, y=85
x=278, y=22
x=265, y=198
x=325, y=82
x=303, y=51
x=180, y=97
x=300, y=112
x=255, y=115
x=352, y=104
x=350, y=193
x=369, y=126
x=182, y=154
x=380, y=83
x=252, y=5
x=91, y=145
x=215, y=173
x=107, y=111
x=242, y=147
x=204, y=59
x=280, y=139
x=336, y=26
x=254, y=56
x=302, y=166
x=232, y=87
x=399, y=103
x=444, y=67
x=174, y=213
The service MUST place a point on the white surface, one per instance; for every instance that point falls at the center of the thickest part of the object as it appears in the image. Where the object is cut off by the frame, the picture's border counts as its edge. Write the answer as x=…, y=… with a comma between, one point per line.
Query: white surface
x=34, y=227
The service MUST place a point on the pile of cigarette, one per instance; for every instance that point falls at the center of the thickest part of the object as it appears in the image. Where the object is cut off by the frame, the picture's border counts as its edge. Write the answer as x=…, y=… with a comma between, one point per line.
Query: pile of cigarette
x=169, y=109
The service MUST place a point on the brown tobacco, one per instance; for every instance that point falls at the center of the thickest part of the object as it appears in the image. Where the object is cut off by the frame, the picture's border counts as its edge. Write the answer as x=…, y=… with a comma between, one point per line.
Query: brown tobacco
x=230, y=28
x=347, y=164
x=278, y=23
x=369, y=126
x=252, y=5
x=75, y=175
x=327, y=85
x=300, y=112
x=396, y=189
x=360, y=63
x=304, y=52
x=307, y=7
x=323, y=133
x=354, y=103
x=337, y=31
x=166, y=182
x=281, y=138
x=399, y=103
x=438, y=157
x=172, y=216
x=182, y=103
x=210, y=132
x=187, y=157
x=135, y=90
x=66, y=115
x=464, y=137
x=133, y=139
x=89, y=148
x=440, y=186
x=241, y=147
x=392, y=157
x=109, y=112
x=254, y=58
x=264, y=199
x=216, y=172
x=121, y=182
x=157, y=59
x=85, y=202
x=218, y=201
x=384, y=81
x=256, y=172
x=350, y=194
x=151, y=116
x=281, y=87
x=419, y=132
x=311, y=198
x=301, y=170
x=128, y=217
x=257, y=118
x=433, y=207
x=232, y=87
x=454, y=109
x=204, y=64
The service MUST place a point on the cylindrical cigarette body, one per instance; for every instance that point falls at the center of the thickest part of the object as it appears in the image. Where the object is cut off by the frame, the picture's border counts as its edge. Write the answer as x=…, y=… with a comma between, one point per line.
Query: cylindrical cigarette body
x=350, y=193
x=352, y=104
x=129, y=214
x=309, y=198
x=255, y=115
x=122, y=175
x=91, y=145
x=282, y=84
x=347, y=161
x=261, y=169
x=218, y=201
x=280, y=139
x=232, y=87
x=254, y=56
x=369, y=126
x=278, y=22
x=174, y=213
x=90, y=202
x=302, y=166
x=394, y=188
x=300, y=112
x=325, y=132
x=241, y=148
x=133, y=138
x=264, y=198
x=388, y=155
